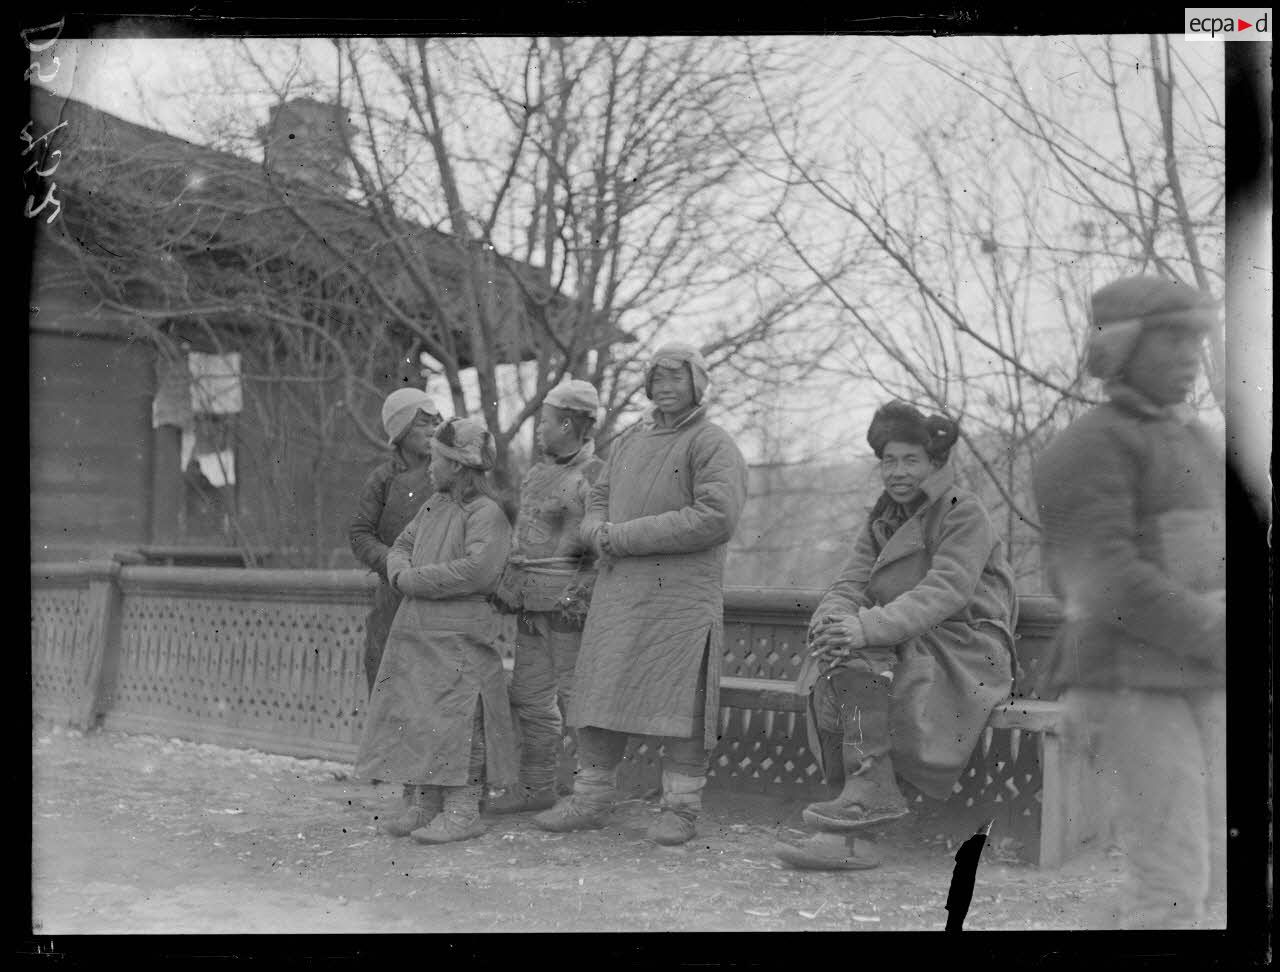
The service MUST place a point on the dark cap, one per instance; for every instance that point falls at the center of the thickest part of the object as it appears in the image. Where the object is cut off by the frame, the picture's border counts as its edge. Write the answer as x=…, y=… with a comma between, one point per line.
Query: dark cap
x=900, y=422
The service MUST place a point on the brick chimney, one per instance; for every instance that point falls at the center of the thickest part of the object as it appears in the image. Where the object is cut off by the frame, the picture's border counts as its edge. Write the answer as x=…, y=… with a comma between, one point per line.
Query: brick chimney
x=303, y=140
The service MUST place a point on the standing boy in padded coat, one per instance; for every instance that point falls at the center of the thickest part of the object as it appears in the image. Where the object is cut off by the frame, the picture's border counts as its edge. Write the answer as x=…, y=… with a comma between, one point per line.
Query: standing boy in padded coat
x=440, y=720
x=660, y=518
x=1132, y=502
x=547, y=584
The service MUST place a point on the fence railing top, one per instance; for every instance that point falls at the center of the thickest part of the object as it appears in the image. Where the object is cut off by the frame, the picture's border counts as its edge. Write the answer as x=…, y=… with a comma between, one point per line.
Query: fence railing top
x=74, y=572
x=787, y=605
x=254, y=582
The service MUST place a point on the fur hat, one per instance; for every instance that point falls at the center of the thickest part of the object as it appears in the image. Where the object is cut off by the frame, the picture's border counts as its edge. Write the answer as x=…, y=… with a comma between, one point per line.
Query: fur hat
x=467, y=441
x=900, y=422
x=574, y=396
x=1120, y=311
x=401, y=408
x=674, y=355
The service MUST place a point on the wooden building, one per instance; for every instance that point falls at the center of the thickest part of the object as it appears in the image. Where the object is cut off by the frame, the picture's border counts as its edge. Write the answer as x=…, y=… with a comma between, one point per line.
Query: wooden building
x=167, y=256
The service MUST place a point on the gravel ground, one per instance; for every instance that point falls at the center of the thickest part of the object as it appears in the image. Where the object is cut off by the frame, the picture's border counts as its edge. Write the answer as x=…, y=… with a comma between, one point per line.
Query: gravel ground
x=140, y=834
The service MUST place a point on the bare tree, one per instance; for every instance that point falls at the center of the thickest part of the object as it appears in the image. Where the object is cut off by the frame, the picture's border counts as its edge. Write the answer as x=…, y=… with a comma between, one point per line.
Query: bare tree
x=968, y=246
x=556, y=203
x=584, y=181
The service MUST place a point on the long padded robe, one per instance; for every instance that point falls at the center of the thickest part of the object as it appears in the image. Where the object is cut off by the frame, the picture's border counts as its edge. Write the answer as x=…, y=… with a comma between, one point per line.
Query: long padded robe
x=672, y=496
x=440, y=658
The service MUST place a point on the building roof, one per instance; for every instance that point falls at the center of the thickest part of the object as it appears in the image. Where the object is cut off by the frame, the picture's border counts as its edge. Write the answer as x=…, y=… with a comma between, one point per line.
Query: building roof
x=127, y=191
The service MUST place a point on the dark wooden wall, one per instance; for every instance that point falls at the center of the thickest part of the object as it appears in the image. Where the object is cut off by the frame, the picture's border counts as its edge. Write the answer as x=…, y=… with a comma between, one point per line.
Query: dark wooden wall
x=91, y=444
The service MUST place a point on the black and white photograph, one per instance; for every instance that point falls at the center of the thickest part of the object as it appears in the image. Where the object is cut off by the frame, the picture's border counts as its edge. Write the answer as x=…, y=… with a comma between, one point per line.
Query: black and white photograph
x=594, y=480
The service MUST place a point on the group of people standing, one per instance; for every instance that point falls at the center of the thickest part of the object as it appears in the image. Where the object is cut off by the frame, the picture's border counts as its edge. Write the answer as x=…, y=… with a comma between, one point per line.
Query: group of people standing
x=624, y=556
x=613, y=576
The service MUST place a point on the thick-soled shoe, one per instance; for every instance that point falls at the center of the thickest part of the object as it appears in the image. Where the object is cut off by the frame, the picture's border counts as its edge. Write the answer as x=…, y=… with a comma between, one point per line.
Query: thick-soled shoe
x=869, y=797
x=671, y=829
x=573, y=813
x=521, y=799
x=422, y=803
x=448, y=827
x=829, y=852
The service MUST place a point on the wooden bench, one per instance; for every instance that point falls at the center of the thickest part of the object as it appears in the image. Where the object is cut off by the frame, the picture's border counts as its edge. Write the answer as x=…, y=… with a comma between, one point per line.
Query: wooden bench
x=1070, y=811
x=1069, y=808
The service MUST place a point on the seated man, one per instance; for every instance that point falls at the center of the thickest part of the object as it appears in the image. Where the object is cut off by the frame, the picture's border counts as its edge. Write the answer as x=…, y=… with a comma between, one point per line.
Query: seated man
x=912, y=647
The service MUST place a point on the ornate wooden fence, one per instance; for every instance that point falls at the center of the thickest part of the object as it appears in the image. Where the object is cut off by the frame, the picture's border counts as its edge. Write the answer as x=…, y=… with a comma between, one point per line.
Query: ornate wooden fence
x=272, y=659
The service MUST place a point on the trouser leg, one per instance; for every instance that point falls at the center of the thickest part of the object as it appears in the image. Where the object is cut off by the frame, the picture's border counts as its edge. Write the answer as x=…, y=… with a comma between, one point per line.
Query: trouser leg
x=566, y=642
x=599, y=753
x=684, y=774
x=533, y=696
x=1209, y=709
x=1149, y=752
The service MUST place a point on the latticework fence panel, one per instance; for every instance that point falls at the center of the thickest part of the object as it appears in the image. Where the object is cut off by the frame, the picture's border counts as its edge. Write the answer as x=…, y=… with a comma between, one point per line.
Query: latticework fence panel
x=284, y=676
x=57, y=618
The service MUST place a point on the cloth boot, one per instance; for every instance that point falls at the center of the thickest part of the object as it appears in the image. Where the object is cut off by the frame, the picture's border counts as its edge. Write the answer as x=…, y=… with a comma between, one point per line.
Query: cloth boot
x=870, y=793
x=681, y=804
x=829, y=852
x=421, y=804
x=458, y=820
x=587, y=808
x=522, y=798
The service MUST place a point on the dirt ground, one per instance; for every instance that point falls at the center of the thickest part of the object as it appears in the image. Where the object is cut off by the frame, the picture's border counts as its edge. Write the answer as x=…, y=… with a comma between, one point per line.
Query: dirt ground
x=139, y=834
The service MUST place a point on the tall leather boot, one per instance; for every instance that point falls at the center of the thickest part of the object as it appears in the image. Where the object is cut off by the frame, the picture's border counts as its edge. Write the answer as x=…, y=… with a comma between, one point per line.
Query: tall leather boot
x=832, y=744
x=458, y=820
x=870, y=793
x=421, y=804
x=681, y=804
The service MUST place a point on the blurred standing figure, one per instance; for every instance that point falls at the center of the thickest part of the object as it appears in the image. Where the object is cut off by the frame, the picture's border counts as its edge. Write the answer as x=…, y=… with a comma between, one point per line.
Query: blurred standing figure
x=912, y=645
x=1132, y=501
x=547, y=583
x=439, y=720
x=391, y=496
x=659, y=518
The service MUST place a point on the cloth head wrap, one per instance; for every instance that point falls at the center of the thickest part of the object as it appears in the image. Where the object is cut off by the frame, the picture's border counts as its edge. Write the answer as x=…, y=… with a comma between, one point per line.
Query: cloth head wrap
x=467, y=441
x=401, y=408
x=574, y=396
